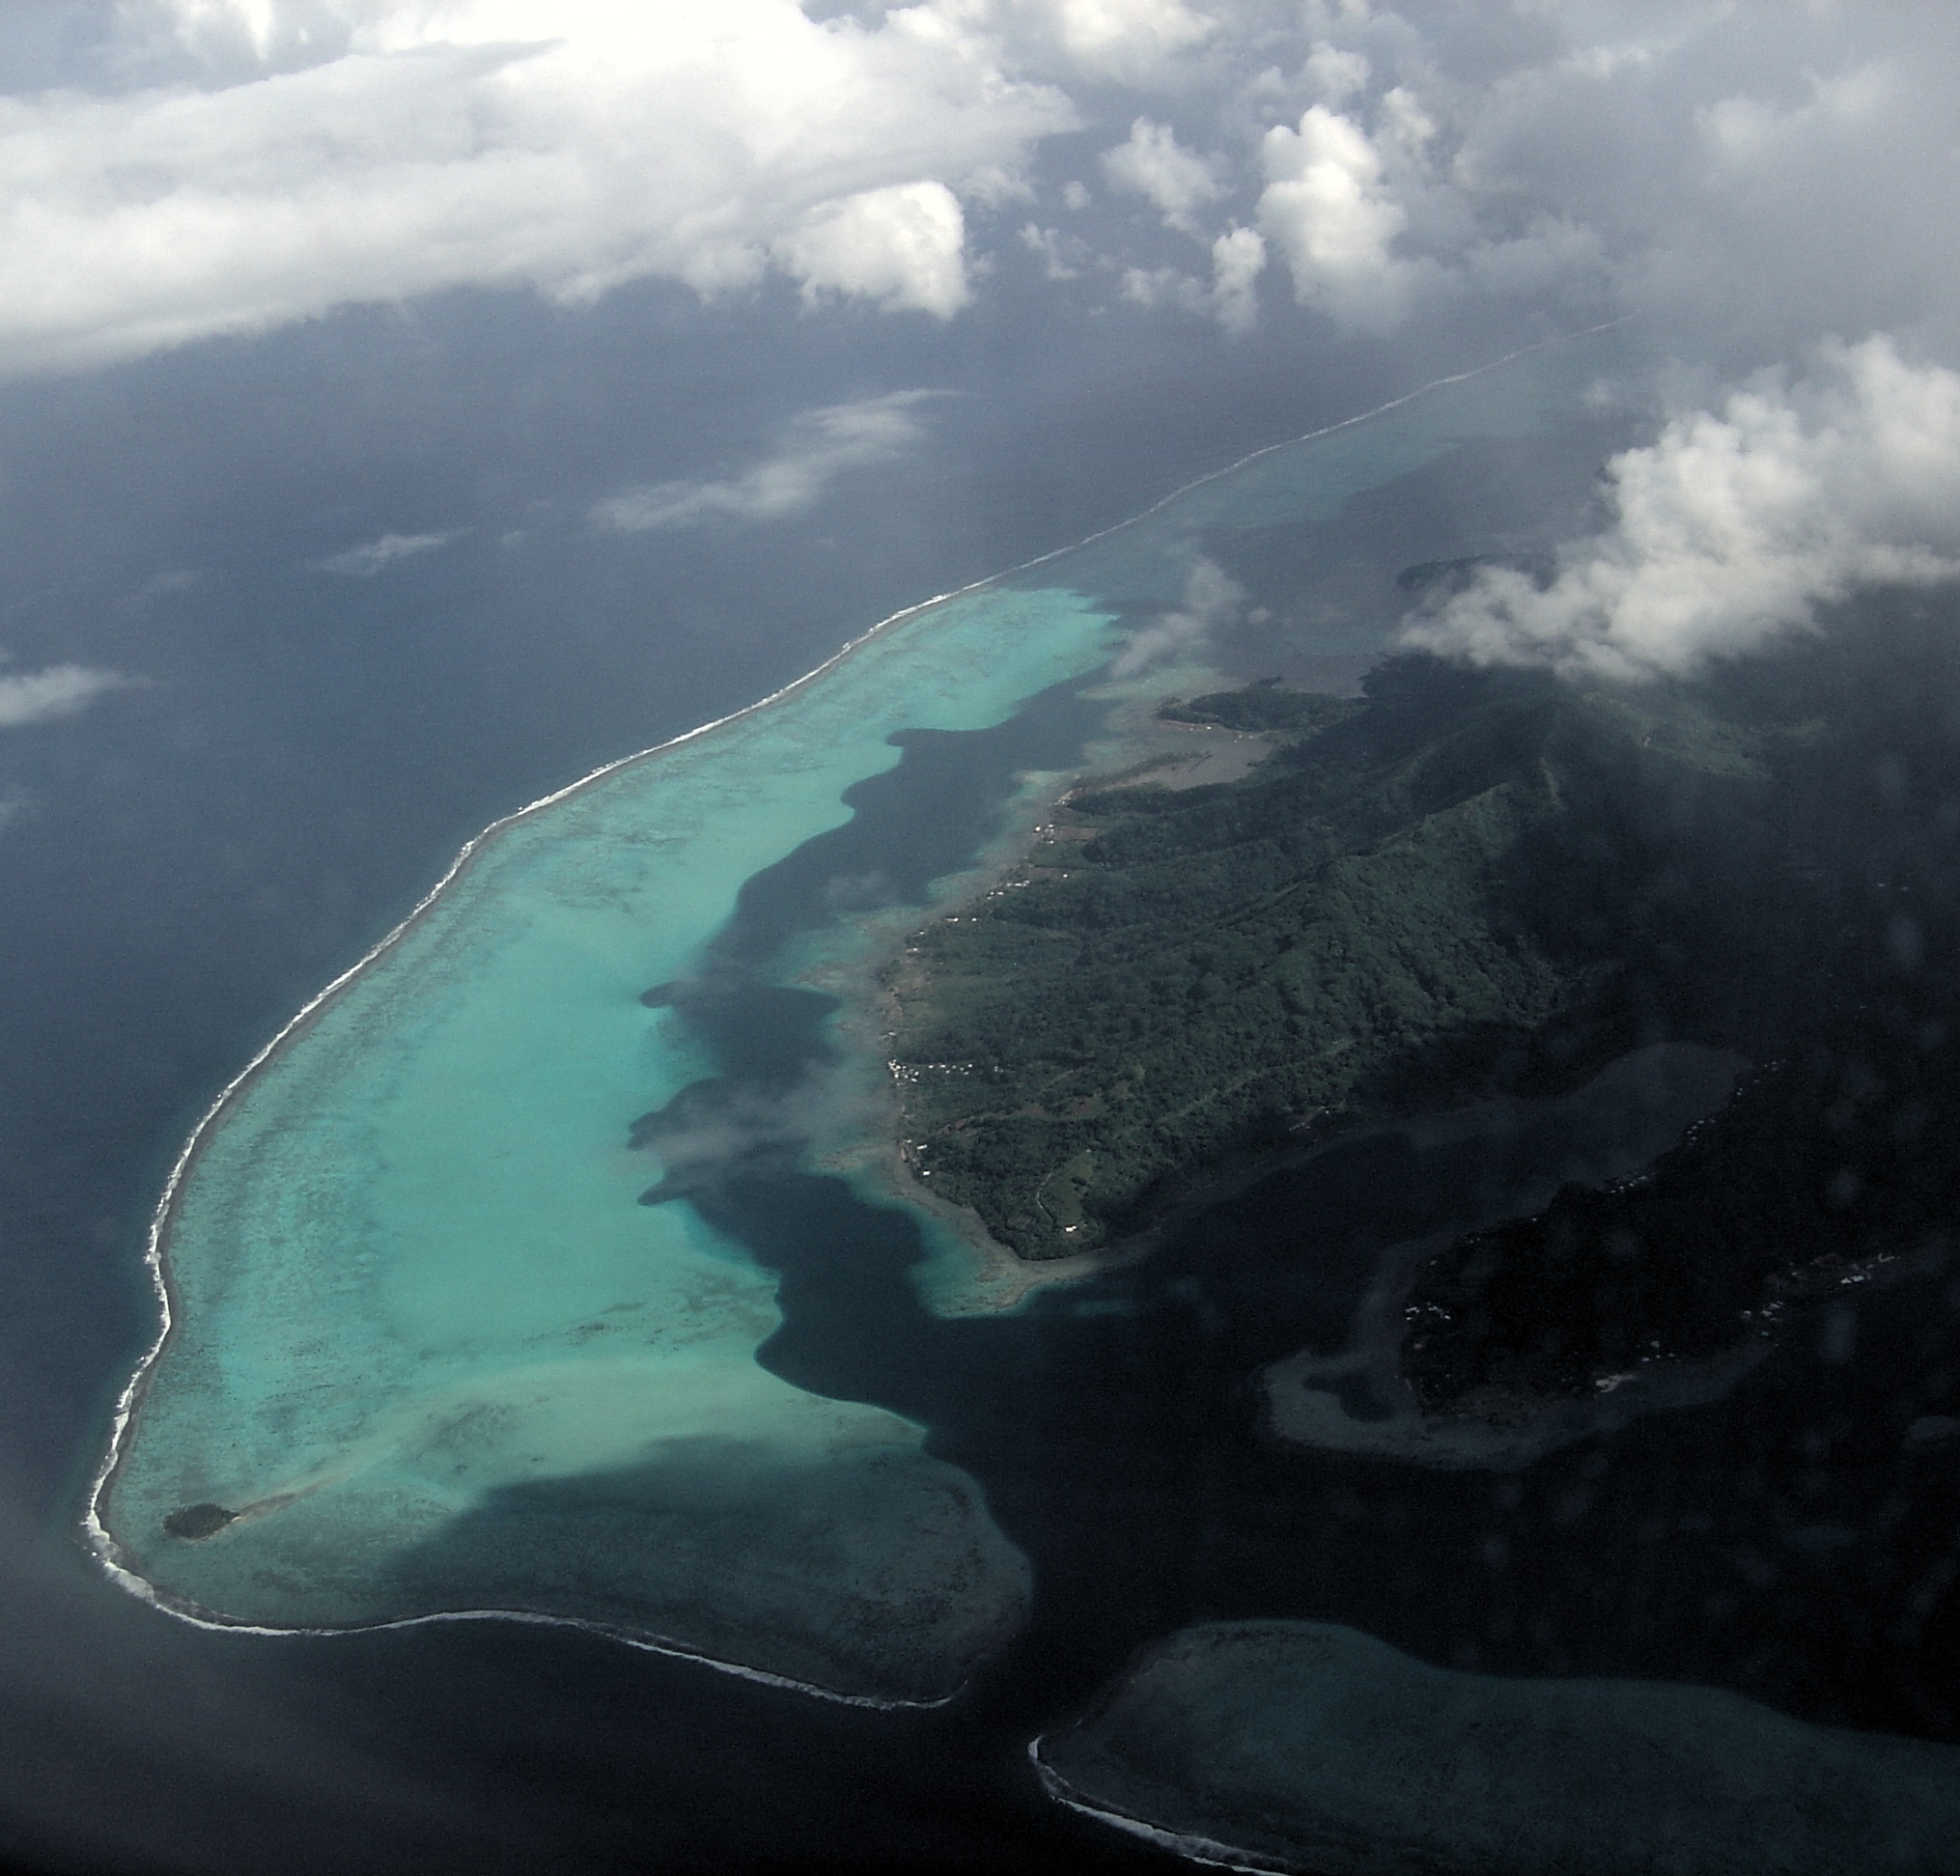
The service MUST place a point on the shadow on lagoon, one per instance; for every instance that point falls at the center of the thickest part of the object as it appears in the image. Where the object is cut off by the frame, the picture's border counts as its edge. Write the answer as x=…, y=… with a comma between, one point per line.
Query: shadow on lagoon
x=1786, y=1542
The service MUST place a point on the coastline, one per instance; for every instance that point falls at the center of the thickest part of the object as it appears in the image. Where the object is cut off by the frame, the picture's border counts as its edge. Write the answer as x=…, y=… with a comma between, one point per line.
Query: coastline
x=190, y=1614
x=1331, y=1750
x=157, y=1255
x=1135, y=745
x=1208, y=1851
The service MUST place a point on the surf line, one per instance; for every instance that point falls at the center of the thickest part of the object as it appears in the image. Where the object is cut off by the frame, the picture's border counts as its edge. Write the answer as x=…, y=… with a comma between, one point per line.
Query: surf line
x=155, y=1257
x=192, y=1616
x=1208, y=1851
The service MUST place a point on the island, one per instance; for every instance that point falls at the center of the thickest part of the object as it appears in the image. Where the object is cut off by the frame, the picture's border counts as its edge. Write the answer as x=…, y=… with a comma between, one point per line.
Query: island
x=1467, y=885
x=1310, y=1746
x=436, y=1340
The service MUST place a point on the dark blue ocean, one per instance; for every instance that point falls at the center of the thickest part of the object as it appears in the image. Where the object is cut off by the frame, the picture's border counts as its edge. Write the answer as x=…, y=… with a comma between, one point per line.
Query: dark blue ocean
x=298, y=759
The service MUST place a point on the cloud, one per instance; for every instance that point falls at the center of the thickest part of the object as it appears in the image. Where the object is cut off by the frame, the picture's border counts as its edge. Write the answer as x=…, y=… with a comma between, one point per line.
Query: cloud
x=1335, y=73
x=1748, y=177
x=1062, y=256
x=1238, y=259
x=1327, y=209
x=1121, y=40
x=1153, y=163
x=902, y=248
x=171, y=582
x=564, y=145
x=1751, y=176
x=819, y=446
x=1731, y=528
x=376, y=556
x=1211, y=598
x=59, y=690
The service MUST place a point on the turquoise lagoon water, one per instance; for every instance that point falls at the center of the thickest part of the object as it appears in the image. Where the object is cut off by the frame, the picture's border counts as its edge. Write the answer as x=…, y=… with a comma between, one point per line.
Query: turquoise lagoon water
x=406, y=1266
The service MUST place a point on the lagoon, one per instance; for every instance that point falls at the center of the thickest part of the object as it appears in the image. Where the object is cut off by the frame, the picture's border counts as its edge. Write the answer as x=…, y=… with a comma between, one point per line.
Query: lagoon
x=424, y=1353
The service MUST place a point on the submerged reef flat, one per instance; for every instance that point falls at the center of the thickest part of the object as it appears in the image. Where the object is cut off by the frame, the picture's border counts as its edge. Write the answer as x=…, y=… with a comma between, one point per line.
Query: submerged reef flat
x=1306, y=1746
x=426, y=1351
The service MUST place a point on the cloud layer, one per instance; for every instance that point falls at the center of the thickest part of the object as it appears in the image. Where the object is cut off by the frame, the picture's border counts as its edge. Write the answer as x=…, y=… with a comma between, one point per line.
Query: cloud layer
x=568, y=146
x=1749, y=179
x=1758, y=175
x=1731, y=528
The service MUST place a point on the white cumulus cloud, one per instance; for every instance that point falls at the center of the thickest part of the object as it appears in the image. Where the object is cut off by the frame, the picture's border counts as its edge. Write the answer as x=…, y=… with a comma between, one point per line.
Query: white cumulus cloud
x=1153, y=163
x=1238, y=259
x=565, y=145
x=1330, y=210
x=900, y=247
x=1062, y=256
x=1732, y=527
x=1337, y=73
x=1232, y=298
x=1109, y=39
x=819, y=446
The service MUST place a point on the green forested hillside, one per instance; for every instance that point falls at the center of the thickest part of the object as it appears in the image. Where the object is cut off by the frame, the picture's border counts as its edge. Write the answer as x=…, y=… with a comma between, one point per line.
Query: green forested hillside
x=1395, y=911
x=1469, y=882
x=1837, y=970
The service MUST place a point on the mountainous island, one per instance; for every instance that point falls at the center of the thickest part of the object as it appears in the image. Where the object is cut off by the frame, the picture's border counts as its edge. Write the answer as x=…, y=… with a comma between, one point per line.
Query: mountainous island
x=1467, y=884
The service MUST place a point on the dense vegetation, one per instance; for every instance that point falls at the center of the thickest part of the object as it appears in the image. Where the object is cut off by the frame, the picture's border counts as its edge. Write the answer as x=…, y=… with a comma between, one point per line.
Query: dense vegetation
x=1467, y=883
x=1840, y=1157
x=1268, y=706
x=1416, y=899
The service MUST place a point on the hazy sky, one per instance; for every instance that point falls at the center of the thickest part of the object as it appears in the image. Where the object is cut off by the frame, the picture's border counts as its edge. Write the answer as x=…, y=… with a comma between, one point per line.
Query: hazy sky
x=1771, y=187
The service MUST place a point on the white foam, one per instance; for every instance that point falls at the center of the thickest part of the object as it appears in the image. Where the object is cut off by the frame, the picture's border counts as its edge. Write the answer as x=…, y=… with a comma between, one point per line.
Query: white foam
x=1208, y=1851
